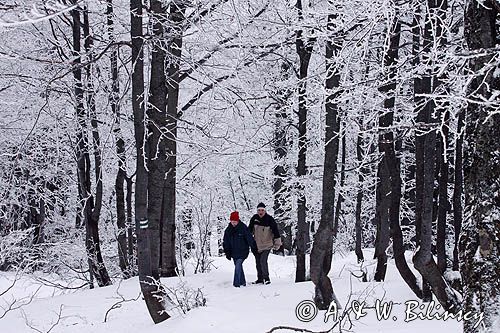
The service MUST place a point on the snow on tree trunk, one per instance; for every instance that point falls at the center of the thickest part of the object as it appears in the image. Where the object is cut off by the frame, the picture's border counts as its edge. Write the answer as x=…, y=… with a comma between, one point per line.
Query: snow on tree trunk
x=321, y=253
x=153, y=295
x=480, y=237
x=304, y=47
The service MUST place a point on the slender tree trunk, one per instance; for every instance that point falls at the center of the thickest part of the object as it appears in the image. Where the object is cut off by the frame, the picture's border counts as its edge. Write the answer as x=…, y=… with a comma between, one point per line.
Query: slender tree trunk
x=423, y=258
x=443, y=196
x=91, y=209
x=280, y=189
x=458, y=183
x=442, y=108
x=131, y=239
x=418, y=88
x=480, y=237
x=321, y=253
x=175, y=34
x=389, y=184
x=100, y=271
x=152, y=292
x=304, y=47
x=121, y=174
x=359, y=198
x=387, y=149
x=340, y=197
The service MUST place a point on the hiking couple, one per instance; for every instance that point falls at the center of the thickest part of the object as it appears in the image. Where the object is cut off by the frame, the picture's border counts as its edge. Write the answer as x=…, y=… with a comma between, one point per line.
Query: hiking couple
x=261, y=235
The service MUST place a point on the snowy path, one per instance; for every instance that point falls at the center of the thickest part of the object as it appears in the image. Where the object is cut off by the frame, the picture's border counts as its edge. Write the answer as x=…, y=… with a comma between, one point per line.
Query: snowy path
x=254, y=308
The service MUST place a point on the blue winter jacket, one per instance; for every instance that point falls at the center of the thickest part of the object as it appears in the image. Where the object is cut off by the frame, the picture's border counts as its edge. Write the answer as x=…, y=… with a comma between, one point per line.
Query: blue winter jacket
x=237, y=240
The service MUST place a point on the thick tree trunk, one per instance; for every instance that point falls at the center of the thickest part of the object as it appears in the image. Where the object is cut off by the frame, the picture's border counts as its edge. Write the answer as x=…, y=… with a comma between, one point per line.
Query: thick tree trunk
x=304, y=47
x=156, y=141
x=151, y=290
x=321, y=254
x=480, y=237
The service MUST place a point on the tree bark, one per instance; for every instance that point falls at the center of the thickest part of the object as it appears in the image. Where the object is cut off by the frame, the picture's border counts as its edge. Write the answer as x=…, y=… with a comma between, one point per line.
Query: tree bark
x=386, y=148
x=304, y=47
x=148, y=281
x=480, y=236
x=91, y=208
x=175, y=34
x=458, y=184
x=389, y=183
x=359, y=198
x=418, y=88
x=156, y=124
x=340, y=198
x=123, y=260
x=443, y=197
x=321, y=253
x=423, y=258
x=281, y=191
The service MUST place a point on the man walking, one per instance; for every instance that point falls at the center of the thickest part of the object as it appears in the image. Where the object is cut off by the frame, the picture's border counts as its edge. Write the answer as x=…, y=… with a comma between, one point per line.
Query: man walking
x=267, y=236
x=237, y=240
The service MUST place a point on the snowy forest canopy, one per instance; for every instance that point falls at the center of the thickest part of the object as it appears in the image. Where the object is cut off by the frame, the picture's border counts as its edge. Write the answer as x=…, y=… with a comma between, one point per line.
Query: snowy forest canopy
x=131, y=129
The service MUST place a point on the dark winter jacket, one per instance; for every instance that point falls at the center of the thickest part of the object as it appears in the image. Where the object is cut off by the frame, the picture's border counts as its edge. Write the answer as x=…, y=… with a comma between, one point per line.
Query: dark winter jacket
x=237, y=240
x=265, y=231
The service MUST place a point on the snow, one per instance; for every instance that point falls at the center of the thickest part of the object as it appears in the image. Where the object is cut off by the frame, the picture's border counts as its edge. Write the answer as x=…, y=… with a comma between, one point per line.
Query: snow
x=255, y=308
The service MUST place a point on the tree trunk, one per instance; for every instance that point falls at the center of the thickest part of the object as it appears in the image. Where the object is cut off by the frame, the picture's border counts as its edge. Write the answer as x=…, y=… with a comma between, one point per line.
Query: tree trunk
x=389, y=184
x=321, y=253
x=304, y=47
x=281, y=191
x=458, y=183
x=418, y=88
x=340, y=197
x=359, y=198
x=151, y=290
x=443, y=196
x=156, y=112
x=480, y=237
x=100, y=271
x=387, y=149
x=120, y=150
x=131, y=238
x=175, y=34
x=423, y=258
x=91, y=209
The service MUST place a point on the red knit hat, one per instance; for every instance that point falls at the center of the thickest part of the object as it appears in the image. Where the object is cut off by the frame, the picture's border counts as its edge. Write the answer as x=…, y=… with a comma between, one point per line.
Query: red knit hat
x=235, y=216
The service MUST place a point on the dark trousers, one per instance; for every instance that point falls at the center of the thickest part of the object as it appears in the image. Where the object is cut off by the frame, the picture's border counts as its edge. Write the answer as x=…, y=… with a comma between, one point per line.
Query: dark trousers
x=261, y=264
x=239, y=275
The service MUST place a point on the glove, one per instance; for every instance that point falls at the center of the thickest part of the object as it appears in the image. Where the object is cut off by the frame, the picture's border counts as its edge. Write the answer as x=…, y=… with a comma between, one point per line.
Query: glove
x=228, y=256
x=277, y=243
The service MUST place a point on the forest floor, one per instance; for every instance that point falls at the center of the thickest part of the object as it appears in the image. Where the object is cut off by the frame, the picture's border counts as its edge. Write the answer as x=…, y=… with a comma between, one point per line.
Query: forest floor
x=252, y=309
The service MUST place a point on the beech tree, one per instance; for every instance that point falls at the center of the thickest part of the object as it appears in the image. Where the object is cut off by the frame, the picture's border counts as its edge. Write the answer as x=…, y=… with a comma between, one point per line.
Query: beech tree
x=91, y=205
x=479, y=240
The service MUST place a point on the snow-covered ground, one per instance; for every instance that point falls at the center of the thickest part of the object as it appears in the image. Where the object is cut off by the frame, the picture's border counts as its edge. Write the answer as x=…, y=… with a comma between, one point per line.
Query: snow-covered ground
x=253, y=309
